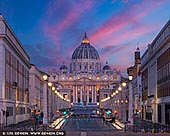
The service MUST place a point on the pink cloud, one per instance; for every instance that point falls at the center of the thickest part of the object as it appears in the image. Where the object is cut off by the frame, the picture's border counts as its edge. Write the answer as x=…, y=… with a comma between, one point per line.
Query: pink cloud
x=118, y=48
x=104, y=34
x=69, y=18
x=122, y=68
x=107, y=52
x=116, y=24
x=132, y=34
x=125, y=1
x=121, y=56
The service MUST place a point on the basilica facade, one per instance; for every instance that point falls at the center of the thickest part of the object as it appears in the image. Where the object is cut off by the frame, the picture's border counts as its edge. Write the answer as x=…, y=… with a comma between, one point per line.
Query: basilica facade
x=85, y=81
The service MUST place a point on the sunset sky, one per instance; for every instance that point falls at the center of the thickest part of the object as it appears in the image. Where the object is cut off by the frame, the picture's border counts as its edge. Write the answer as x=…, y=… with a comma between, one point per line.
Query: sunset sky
x=50, y=30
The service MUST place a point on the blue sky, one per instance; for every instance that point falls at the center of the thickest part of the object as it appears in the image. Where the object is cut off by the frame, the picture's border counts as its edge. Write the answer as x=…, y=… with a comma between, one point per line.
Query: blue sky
x=50, y=30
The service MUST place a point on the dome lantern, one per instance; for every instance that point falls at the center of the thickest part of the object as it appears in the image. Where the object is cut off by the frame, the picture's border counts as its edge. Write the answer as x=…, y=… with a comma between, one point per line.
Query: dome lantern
x=85, y=39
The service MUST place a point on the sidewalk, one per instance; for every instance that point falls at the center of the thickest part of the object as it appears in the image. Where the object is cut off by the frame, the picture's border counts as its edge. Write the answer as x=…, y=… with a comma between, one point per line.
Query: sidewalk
x=24, y=125
x=142, y=126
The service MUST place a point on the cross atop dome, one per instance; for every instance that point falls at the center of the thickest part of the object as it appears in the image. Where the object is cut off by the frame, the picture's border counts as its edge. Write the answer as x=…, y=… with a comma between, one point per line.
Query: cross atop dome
x=85, y=39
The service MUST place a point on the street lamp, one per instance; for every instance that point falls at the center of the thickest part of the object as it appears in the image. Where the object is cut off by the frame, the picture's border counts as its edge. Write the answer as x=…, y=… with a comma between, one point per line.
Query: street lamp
x=123, y=84
x=50, y=84
x=119, y=88
x=53, y=88
x=130, y=77
x=45, y=77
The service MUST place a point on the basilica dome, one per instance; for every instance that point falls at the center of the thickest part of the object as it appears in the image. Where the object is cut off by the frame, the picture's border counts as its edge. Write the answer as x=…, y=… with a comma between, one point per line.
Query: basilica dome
x=85, y=51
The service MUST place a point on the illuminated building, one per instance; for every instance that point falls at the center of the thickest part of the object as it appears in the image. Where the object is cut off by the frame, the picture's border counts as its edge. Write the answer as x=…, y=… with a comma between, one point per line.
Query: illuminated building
x=85, y=82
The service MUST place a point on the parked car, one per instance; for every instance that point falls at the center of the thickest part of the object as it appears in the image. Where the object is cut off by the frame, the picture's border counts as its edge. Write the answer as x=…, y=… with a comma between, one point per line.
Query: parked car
x=94, y=115
x=108, y=118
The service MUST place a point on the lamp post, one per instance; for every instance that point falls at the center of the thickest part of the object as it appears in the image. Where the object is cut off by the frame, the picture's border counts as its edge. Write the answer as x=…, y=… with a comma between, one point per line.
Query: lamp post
x=130, y=118
x=45, y=92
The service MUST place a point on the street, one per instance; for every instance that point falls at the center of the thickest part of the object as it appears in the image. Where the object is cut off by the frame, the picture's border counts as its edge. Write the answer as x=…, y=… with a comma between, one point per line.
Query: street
x=85, y=124
x=81, y=124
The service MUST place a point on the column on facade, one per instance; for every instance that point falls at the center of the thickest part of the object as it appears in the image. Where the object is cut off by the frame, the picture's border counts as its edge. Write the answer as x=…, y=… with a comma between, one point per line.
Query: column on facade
x=84, y=91
x=155, y=112
x=87, y=92
x=81, y=94
x=95, y=96
x=45, y=121
x=163, y=113
x=92, y=94
x=76, y=94
x=144, y=110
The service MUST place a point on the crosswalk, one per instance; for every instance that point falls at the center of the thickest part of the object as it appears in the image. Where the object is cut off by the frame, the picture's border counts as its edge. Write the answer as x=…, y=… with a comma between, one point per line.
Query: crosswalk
x=100, y=123
x=119, y=123
x=116, y=126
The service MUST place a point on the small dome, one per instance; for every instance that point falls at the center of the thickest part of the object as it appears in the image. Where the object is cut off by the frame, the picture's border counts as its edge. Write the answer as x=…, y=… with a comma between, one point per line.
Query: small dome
x=85, y=51
x=106, y=67
x=63, y=67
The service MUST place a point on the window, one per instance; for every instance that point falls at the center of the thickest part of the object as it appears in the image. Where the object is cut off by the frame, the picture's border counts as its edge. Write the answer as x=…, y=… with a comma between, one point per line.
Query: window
x=10, y=110
x=65, y=96
x=105, y=95
x=98, y=78
x=78, y=100
x=114, y=77
x=90, y=100
x=54, y=77
x=28, y=110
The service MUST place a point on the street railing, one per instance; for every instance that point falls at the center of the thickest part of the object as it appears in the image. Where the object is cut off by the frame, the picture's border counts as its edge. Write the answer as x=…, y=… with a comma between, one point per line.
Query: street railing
x=147, y=126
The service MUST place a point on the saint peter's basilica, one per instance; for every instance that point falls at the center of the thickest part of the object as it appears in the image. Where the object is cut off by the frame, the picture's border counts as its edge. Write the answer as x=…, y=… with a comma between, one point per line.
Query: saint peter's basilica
x=85, y=81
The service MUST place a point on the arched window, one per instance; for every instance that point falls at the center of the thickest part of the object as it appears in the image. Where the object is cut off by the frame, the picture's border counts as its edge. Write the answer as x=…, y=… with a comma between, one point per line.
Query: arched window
x=74, y=66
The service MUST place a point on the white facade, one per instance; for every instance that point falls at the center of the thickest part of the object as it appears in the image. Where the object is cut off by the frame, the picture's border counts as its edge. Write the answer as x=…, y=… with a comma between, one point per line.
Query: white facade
x=14, y=79
x=155, y=78
x=35, y=89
